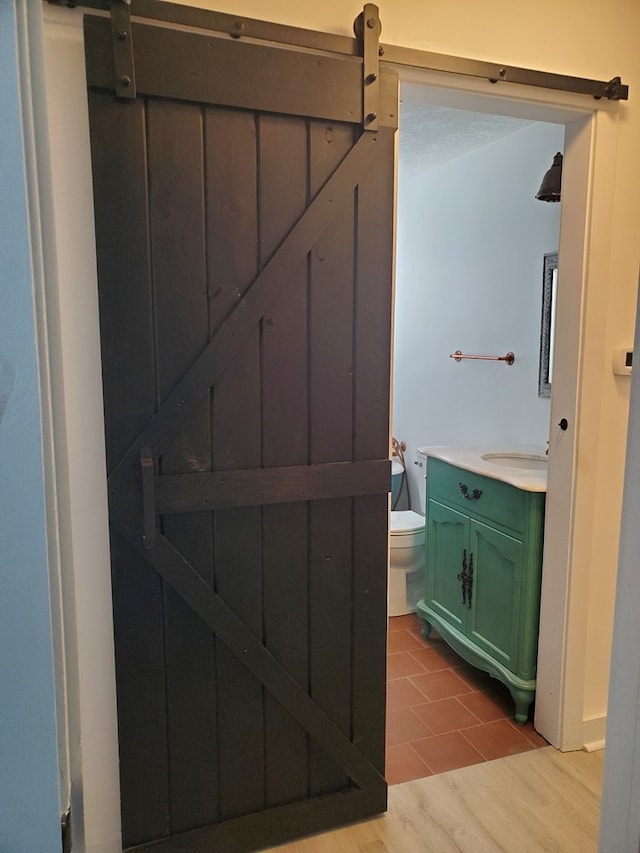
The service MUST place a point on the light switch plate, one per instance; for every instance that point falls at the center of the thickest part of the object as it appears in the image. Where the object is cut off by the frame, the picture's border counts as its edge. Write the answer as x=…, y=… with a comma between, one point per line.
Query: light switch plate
x=622, y=361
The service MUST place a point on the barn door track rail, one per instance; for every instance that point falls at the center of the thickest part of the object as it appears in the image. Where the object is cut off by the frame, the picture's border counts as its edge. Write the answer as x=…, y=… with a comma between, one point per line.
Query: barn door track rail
x=367, y=29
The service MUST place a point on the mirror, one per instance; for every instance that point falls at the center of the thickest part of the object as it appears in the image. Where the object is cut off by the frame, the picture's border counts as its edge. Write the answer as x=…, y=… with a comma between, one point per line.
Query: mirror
x=547, y=325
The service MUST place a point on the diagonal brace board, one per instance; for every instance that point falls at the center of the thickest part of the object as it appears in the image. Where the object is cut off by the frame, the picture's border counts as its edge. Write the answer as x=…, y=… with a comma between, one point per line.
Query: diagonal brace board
x=268, y=286
x=180, y=575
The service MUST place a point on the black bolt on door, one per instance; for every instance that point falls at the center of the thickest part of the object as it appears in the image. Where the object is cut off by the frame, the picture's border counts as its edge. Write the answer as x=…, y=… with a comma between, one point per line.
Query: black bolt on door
x=244, y=234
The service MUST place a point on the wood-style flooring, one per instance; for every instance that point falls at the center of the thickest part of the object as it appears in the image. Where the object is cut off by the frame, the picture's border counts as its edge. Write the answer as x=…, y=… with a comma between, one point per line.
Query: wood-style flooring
x=542, y=800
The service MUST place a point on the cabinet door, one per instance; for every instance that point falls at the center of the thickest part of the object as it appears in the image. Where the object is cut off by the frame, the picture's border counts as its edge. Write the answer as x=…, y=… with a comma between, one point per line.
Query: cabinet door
x=493, y=618
x=447, y=543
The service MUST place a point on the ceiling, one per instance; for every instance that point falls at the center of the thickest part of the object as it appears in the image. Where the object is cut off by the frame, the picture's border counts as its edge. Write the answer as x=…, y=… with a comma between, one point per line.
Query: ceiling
x=432, y=135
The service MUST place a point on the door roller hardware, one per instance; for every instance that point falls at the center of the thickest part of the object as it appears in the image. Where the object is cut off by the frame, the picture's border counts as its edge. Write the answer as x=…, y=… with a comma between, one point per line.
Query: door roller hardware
x=367, y=30
x=122, y=48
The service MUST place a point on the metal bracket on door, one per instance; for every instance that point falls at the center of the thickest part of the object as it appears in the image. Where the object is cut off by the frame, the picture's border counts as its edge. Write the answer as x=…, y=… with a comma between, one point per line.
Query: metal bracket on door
x=122, y=46
x=367, y=28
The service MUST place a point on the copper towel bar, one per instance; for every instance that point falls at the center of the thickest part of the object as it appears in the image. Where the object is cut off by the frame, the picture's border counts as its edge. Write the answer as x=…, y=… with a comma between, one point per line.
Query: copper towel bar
x=509, y=357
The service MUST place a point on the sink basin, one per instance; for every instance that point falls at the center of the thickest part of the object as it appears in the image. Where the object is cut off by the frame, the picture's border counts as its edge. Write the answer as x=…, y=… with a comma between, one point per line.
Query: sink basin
x=533, y=461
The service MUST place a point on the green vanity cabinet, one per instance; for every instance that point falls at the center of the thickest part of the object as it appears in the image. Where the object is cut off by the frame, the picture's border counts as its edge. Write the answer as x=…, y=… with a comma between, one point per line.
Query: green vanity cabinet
x=483, y=567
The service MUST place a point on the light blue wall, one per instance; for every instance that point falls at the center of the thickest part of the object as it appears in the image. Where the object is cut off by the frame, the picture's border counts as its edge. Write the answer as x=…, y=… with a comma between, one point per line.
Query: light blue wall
x=29, y=779
x=471, y=240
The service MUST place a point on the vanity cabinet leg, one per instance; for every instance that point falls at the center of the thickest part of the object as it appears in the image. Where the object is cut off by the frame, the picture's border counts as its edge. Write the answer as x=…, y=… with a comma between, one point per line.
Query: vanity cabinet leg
x=426, y=629
x=522, y=699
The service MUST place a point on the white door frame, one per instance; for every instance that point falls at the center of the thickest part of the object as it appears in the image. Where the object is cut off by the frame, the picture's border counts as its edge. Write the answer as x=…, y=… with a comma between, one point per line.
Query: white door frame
x=78, y=397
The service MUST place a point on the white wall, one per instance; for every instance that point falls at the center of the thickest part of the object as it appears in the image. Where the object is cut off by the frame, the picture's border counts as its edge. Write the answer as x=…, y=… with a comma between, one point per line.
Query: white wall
x=471, y=240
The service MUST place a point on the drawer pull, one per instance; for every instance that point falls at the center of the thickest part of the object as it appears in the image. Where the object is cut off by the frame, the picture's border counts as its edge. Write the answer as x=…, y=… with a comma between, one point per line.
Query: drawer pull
x=473, y=496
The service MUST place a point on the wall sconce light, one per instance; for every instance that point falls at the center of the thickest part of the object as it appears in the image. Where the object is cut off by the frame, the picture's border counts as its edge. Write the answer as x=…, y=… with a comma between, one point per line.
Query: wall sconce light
x=552, y=181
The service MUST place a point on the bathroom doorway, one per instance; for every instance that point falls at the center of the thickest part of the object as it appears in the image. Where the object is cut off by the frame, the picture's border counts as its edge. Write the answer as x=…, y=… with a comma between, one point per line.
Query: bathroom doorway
x=474, y=284
x=471, y=240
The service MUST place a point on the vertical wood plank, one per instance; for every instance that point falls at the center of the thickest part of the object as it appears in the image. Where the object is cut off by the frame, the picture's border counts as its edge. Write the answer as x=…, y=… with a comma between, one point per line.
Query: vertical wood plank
x=232, y=223
x=283, y=193
x=329, y=143
x=240, y=694
x=330, y=629
x=277, y=170
x=331, y=306
x=370, y=625
x=236, y=426
x=330, y=428
x=142, y=724
x=285, y=419
x=232, y=248
x=192, y=716
x=373, y=301
x=175, y=146
x=286, y=602
x=373, y=306
x=122, y=248
x=177, y=237
x=128, y=367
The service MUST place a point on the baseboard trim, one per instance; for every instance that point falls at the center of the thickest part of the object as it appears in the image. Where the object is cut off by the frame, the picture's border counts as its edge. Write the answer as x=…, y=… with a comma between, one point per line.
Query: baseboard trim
x=594, y=732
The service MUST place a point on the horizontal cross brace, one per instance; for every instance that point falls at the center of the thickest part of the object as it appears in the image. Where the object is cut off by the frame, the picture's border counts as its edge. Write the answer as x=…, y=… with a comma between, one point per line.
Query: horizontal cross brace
x=178, y=493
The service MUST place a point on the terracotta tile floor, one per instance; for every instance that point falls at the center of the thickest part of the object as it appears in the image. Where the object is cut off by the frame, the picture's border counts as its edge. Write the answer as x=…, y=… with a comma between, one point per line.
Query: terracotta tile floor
x=442, y=713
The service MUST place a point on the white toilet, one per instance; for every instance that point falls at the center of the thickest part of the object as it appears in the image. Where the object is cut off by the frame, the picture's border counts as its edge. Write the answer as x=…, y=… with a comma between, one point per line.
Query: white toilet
x=406, y=552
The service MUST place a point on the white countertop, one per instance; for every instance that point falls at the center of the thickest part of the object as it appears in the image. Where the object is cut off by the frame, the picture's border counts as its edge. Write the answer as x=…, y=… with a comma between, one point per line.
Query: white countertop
x=470, y=458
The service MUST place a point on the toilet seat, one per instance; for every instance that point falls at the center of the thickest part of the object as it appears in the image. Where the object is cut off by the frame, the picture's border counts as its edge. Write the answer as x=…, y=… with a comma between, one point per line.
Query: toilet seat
x=405, y=521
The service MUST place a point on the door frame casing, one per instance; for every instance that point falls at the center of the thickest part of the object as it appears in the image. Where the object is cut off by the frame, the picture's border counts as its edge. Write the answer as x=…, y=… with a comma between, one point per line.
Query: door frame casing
x=76, y=393
x=85, y=549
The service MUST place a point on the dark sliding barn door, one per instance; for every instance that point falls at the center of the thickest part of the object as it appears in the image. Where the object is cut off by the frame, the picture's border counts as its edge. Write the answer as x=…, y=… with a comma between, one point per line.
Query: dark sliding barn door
x=244, y=236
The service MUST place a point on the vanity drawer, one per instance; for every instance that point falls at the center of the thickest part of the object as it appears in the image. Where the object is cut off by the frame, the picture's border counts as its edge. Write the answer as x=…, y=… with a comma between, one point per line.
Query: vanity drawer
x=497, y=502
